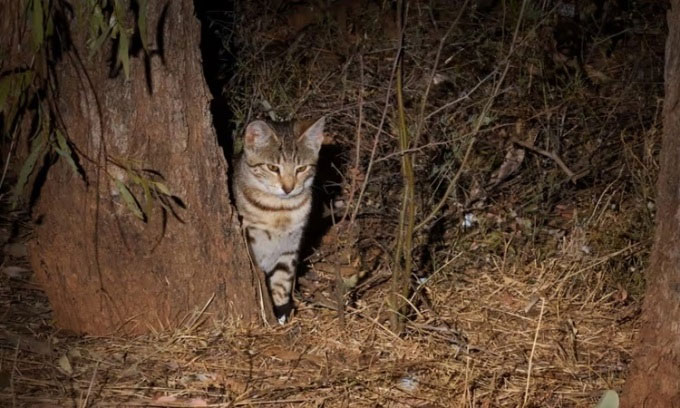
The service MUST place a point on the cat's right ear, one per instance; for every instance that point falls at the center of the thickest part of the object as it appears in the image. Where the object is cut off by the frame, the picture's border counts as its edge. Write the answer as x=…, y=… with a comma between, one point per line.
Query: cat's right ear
x=314, y=135
x=258, y=134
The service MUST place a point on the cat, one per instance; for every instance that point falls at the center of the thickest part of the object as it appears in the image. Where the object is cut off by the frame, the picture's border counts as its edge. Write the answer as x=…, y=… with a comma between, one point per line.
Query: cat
x=273, y=179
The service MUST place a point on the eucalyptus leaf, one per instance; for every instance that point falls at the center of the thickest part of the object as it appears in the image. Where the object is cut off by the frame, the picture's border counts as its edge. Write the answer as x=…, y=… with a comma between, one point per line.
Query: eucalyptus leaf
x=79, y=9
x=148, y=199
x=118, y=11
x=37, y=151
x=97, y=43
x=25, y=80
x=129, y=199
x=141, y=23
x=49, y=29
x=96, y=20
x=65, y=151
x=124, y=52
x=5, y=86
x=37, y=27
x=161, y=188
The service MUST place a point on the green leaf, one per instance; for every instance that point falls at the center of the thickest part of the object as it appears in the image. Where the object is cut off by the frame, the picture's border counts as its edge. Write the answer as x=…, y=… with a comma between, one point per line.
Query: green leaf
x=141, y=23
x=38, y=150
x=96, y=20
x=610, y=399
x=79, y=9
x=49, y=29
x=37, y=23
x=129, y=200
x=97, y=44
x=161, y=188
x=65, y=151
x=118, y=11
x=13, y=86
x=148, y=199
x=117, y=22
x=5, y=86
x=123, y=52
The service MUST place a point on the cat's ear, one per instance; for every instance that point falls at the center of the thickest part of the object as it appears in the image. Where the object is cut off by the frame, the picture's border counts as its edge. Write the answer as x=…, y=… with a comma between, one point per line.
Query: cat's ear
x=258, y=134
x=313, y=136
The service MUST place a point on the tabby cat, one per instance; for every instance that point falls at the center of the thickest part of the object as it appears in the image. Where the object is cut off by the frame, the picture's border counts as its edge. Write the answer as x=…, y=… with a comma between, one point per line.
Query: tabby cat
x=272, y=184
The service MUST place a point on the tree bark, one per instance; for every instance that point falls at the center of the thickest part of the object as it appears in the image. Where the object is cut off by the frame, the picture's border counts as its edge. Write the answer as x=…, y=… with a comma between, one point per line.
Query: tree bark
x=104, y=270
x=654, y=376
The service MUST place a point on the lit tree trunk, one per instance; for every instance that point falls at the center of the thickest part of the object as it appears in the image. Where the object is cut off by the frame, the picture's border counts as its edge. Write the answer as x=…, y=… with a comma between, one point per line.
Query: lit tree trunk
x=104, y=270
x=654, y=378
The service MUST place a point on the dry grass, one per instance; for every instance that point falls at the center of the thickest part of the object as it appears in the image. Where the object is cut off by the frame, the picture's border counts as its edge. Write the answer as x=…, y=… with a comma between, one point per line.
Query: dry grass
x=533, y=304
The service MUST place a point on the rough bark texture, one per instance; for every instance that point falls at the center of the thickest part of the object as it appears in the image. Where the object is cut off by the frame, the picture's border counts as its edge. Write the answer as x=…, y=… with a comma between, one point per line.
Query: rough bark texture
x=103, y=269
x=654, y=378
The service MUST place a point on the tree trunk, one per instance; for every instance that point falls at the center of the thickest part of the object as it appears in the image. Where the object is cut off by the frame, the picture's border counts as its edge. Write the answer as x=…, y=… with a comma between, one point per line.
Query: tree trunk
x=654, y=377
x=104, y=270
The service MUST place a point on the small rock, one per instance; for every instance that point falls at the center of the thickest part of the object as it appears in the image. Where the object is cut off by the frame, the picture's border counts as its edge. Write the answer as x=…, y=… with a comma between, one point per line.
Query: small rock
x=407, y=383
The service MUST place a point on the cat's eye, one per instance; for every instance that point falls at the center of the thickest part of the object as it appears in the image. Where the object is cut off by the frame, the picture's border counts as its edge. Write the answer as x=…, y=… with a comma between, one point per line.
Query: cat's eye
x=300, y=169
x=273, y=168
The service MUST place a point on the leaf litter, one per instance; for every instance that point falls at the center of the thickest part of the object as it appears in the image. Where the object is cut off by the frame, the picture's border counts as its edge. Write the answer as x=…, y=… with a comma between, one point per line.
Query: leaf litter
x=508, y=306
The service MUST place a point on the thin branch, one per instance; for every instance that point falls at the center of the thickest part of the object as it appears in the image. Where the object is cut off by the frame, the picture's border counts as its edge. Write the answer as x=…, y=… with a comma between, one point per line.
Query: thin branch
x=478, y=124
x=553, y=156
x=404, y=247
x=444, y=40
x=357, y=162
x=376, y=138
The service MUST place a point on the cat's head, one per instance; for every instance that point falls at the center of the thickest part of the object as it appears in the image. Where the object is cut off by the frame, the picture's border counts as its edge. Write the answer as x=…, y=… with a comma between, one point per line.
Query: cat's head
x=282, y=156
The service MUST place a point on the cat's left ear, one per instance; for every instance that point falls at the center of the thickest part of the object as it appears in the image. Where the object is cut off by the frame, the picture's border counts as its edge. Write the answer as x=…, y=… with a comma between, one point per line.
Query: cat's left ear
x=313, y=136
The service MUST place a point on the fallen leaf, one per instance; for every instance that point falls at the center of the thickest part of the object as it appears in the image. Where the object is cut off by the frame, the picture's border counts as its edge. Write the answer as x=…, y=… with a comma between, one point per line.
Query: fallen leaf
x=235, y=386
x=65, y=364
x=530, y=304
x=513, y=159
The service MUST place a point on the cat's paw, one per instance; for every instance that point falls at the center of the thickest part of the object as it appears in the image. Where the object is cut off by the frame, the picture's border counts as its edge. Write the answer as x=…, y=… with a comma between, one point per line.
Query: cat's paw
x=282, y=312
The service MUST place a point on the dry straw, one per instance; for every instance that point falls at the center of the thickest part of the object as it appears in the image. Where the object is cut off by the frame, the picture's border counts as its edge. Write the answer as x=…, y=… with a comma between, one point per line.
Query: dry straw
x=526, y=282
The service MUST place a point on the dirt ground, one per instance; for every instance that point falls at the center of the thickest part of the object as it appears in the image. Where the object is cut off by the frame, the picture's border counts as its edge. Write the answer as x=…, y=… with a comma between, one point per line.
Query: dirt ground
x=535, y=128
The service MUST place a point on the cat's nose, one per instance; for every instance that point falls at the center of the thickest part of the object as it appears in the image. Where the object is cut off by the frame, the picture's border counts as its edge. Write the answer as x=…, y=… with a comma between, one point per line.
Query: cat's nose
x=287, y=188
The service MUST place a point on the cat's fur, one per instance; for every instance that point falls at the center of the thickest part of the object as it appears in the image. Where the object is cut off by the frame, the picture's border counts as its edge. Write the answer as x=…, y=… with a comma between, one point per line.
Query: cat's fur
x=272, y=185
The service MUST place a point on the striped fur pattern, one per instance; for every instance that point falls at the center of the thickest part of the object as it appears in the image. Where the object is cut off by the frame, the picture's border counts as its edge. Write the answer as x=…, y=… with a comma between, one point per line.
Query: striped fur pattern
x=272, y=186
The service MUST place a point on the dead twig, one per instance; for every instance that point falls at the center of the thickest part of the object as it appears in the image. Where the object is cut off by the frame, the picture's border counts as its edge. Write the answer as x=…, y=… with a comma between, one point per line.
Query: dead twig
x=573, y=177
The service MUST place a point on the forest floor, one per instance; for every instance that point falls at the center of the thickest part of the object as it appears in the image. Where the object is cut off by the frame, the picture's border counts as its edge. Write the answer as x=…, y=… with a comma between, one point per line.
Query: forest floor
x=535, y=129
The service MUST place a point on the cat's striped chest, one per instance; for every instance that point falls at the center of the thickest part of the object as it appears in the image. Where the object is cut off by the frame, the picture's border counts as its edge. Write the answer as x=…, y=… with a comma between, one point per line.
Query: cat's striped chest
x=271, y=213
